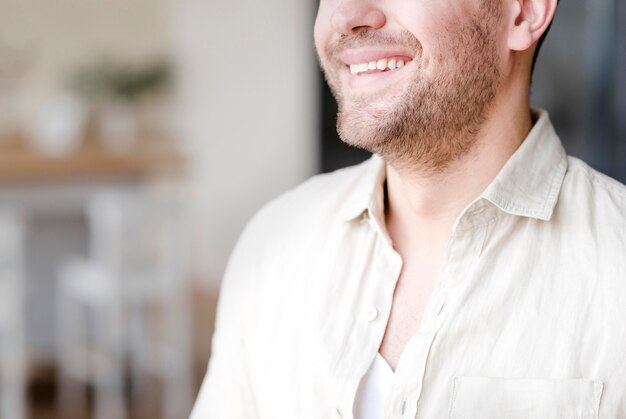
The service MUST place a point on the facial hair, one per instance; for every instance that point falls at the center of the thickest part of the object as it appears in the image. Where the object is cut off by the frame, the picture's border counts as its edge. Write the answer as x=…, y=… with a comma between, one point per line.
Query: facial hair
x=436, y=119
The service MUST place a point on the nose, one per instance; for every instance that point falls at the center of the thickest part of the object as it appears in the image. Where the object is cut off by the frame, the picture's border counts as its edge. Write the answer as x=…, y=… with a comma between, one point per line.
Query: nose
x=354, y=14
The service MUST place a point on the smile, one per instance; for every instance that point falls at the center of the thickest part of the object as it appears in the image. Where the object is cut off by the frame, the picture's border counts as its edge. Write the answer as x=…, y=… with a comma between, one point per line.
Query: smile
x=382, y=65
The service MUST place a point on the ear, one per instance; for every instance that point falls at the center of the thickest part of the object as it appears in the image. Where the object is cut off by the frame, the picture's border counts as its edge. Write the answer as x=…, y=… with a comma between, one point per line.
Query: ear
x=529, y=19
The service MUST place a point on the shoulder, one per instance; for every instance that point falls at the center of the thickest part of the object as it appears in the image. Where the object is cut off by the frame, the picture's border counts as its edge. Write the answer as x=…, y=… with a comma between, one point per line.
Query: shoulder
x=299, y=214
x=590, y=222
x=317, y=200
x=579, y=171
x=288, y=234
x=598, y=193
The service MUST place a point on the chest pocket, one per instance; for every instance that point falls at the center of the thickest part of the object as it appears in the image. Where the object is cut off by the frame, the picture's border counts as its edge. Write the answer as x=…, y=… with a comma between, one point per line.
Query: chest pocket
x=502, y=398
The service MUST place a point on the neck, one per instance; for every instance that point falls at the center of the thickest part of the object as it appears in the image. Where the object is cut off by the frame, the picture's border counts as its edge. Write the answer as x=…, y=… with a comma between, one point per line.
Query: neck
x=422, y=203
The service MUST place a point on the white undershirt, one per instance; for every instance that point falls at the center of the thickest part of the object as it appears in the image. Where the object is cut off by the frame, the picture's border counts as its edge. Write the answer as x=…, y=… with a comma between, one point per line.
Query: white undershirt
x=373, y=389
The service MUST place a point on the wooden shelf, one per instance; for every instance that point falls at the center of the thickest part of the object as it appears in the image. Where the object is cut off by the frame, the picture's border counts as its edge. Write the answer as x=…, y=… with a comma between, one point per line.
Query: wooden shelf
x=19, y=161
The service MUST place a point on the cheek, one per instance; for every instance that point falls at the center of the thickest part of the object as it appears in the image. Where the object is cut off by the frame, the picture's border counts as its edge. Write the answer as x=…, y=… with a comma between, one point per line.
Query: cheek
x=421, y=23
x=322, y=30
x=433, y=28
x=429, y=21
x=318, y=35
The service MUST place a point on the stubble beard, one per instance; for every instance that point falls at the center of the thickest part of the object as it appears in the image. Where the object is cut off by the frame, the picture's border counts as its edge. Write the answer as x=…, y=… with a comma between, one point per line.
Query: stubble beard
x=436, y=119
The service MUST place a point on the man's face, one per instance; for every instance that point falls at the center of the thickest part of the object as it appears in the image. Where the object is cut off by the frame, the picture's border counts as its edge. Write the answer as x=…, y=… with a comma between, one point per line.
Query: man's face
x=413, y=78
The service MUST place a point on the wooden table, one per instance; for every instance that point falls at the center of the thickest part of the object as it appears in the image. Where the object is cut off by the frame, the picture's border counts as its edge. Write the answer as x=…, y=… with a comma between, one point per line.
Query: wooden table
x=148, y=157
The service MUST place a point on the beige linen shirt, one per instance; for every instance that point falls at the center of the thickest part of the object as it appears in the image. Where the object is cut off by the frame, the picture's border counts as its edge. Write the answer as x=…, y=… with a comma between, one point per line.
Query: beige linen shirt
x=527, y=318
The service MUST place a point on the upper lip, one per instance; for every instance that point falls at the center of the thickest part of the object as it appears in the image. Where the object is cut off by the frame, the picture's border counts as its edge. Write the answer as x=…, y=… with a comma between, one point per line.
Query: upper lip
x=359, y=56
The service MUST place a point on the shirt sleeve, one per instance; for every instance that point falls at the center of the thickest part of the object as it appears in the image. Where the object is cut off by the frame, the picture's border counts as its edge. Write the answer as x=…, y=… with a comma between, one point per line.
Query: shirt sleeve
x=226, y=390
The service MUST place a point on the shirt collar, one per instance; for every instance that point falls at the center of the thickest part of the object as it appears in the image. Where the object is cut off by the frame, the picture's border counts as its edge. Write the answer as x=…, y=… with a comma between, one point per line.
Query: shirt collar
x=528, y=184
x=368, y=194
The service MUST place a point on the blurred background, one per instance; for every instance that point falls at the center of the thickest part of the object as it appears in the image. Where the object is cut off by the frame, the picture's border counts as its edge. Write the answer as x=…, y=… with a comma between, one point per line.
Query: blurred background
x=136, y=139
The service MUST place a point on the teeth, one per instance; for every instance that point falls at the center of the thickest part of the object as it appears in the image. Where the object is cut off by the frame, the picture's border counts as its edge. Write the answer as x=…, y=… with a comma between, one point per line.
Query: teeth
x=382, y=65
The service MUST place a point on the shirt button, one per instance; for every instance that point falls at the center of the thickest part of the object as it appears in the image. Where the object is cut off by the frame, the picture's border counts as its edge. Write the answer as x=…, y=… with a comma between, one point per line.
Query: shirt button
x=371, y=314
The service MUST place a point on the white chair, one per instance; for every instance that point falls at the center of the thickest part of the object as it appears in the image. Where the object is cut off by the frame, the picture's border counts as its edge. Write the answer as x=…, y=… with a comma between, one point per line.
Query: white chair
x=12, y=347
x=138, y=263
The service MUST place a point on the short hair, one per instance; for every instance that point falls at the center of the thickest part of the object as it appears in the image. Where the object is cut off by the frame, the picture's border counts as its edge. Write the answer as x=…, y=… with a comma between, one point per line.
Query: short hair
x=540, y=43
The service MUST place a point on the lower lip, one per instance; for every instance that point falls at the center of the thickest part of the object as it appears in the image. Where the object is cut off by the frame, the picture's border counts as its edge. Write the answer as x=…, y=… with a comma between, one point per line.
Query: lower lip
x=367, y=80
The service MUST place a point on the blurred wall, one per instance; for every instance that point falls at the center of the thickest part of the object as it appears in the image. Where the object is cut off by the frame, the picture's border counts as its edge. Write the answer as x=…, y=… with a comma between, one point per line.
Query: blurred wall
x=244, y=99
x=50, y=39
x=247, y=108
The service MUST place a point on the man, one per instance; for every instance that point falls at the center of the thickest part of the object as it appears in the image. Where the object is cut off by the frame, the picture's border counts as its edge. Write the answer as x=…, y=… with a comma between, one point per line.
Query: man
x=469, y=269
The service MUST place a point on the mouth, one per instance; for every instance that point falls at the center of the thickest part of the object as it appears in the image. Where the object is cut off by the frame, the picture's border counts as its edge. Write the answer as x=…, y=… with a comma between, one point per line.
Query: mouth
x=382, y=65
x=367, y=69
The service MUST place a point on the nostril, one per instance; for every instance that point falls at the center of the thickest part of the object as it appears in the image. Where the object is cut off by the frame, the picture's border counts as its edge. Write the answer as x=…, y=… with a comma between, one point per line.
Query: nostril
x=351, y=17
x=376, y=19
